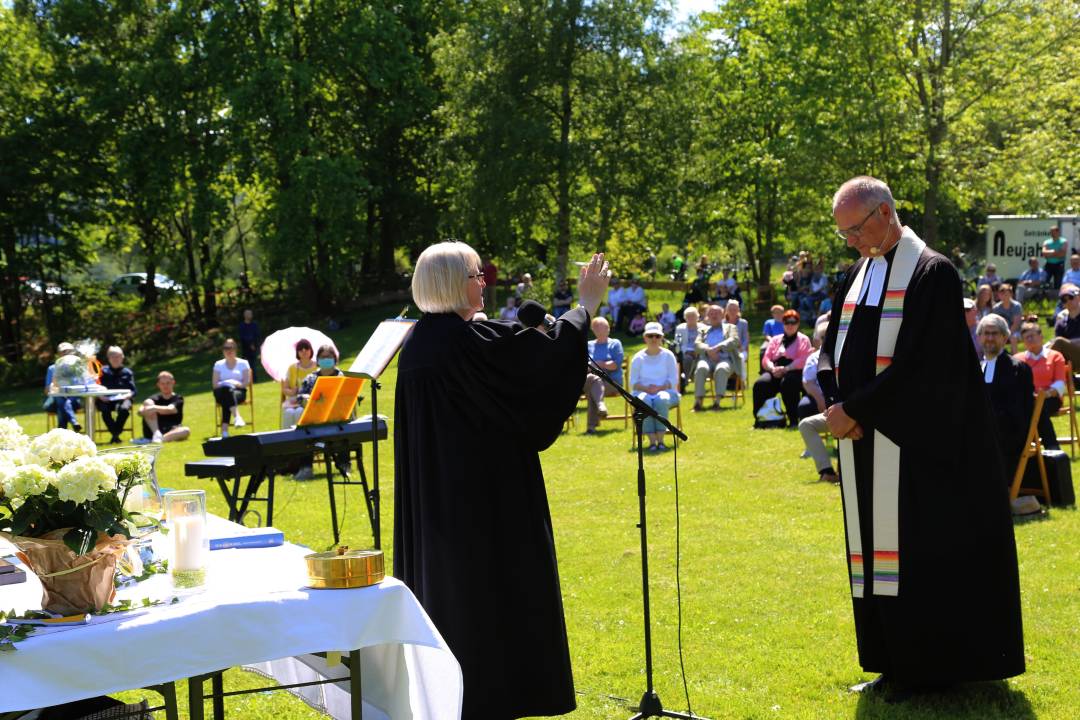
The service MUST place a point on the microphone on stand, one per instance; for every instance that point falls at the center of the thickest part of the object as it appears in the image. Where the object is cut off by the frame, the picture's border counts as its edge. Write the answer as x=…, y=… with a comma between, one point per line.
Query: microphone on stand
x=532, y=314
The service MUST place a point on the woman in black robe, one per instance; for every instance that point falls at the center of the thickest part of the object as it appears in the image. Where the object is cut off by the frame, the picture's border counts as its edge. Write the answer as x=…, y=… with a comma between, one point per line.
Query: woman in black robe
x=475, y=403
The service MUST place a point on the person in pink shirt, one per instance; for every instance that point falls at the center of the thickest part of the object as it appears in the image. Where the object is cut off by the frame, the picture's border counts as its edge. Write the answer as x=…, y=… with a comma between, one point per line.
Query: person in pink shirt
x=781, y=368
x=1048, y=375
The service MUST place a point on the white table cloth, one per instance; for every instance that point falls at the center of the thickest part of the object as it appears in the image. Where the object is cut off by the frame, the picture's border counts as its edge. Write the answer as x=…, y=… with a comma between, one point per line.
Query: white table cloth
x=255, y=609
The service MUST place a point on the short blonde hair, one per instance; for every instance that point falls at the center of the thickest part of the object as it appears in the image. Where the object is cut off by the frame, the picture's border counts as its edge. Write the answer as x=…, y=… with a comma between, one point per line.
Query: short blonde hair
x=439, y=282
x=114, y=349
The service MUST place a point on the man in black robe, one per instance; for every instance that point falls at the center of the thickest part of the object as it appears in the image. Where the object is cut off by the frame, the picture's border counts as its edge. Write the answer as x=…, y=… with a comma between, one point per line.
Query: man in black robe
x=475, y=403
x=1010, y=390
x=944, y=605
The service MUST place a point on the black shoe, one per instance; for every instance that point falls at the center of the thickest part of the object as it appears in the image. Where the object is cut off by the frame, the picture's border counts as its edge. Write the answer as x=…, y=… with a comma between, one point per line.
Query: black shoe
x=828, y=475
x=76, y=427
x=115, y=440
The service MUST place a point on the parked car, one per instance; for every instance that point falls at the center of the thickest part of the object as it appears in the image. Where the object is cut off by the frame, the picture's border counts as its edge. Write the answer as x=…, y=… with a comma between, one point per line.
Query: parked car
x=136, y=282
x=35, y=290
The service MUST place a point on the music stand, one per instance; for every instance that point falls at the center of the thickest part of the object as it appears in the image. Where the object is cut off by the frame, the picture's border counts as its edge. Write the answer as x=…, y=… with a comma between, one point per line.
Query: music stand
x=376, y=354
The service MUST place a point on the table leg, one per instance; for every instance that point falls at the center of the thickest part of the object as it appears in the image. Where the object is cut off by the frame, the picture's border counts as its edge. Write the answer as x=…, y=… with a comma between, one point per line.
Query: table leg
x=356, y=697
x=217, y=689
x=168, y=695
x=89, y=415
x=195, y=697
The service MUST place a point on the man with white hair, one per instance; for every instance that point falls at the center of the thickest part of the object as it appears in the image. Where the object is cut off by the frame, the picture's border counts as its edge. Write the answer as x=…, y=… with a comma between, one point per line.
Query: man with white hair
x=906, y=398
x=116, y=377
x=718, y=354
x=1010, y=389
x=607, y=352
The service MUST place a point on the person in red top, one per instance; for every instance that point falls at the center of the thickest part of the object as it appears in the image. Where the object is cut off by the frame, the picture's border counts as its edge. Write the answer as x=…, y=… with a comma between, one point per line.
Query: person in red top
x=781, y=368
x=1048, y=374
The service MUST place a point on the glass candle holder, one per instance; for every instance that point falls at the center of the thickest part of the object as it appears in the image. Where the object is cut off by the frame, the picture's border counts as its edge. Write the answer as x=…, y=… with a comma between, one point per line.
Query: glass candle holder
x=185, y=512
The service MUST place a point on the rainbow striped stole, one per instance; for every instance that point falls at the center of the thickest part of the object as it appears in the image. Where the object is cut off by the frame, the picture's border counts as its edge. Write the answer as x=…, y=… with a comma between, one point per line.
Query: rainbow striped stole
x=886, y=461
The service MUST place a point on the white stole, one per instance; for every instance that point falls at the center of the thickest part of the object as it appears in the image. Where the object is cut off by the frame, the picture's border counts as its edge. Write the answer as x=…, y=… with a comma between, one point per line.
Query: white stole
x=886, y=463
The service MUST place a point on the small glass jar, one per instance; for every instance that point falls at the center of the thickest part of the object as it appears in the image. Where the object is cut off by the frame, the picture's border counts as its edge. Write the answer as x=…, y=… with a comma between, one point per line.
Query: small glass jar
x=185, y=513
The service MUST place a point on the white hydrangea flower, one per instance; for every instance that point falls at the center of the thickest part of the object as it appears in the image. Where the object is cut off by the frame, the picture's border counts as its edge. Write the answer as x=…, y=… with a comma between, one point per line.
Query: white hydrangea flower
x=131, y=464
x=26, y=481
x=12, y=436
x=59, y=447
x=84, y=479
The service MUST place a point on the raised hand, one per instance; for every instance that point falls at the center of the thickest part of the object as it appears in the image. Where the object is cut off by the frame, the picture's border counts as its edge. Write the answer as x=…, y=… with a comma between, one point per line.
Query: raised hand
x=593, y=283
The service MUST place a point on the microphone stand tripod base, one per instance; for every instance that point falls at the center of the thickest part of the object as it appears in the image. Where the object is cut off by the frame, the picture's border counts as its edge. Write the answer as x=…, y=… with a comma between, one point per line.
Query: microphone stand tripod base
x=650, y=707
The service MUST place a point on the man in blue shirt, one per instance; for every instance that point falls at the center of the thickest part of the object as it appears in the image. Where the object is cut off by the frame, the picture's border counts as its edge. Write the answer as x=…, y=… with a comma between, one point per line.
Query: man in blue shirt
x=718, y=355
x=1030, y=281
x=607, y=352
x=775, y=324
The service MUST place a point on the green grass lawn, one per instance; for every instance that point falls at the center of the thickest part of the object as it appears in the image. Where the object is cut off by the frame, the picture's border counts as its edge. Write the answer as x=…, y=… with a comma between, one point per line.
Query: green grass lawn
x=767, y=626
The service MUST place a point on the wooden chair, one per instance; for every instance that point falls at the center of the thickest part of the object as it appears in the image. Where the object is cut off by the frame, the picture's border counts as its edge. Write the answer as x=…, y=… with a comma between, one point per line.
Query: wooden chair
x=627, y=413
x=99, y=422
x=249, y=403
x=1032, y=448
x=50, y=420
x=736, y=393
x=1068, y=407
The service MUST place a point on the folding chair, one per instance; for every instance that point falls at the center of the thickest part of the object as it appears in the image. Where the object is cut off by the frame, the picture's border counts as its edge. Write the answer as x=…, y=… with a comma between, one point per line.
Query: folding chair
x=249, y=403
x=1068, y=407
x=1032, y=448
x=99, y=422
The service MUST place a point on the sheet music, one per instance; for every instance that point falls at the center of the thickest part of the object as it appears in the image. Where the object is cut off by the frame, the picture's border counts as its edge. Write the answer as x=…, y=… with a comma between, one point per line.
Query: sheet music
x=381, y=348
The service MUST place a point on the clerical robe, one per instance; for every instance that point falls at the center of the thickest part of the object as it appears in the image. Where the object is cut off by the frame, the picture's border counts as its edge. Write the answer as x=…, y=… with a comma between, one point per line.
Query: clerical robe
x=944, y=606
x=1012, y=400
x=475, y=403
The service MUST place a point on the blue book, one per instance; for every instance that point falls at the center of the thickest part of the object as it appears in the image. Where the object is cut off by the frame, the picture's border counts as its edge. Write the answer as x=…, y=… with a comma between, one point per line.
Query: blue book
x=248, y=538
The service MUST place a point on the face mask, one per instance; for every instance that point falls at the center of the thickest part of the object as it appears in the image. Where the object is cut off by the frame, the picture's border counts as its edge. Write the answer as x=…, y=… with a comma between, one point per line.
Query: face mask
x=326, y=363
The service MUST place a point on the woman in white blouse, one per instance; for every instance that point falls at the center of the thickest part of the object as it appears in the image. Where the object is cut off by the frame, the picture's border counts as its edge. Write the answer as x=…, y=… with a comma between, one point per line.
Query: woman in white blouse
x=232, y=377
x=654, y=377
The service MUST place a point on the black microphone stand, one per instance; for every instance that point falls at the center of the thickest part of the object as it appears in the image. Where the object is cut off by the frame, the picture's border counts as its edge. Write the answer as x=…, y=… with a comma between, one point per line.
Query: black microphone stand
x=650, y=705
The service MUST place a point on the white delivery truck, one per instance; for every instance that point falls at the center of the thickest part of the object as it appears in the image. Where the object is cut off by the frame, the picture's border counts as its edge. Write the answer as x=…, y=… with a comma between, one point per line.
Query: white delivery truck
x=1012, y=239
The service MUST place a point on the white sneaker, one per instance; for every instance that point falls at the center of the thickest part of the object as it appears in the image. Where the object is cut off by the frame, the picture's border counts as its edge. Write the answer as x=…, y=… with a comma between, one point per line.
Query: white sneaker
x=157, y=437
x=238, y=421
x=805, y=455
x=304, y=473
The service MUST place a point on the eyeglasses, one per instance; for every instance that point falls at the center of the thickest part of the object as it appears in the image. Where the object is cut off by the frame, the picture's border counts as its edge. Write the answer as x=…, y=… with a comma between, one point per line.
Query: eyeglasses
x=1067, y=297
x=855, y=230
x=791, y=321
x=476, y=276
x=654, y=336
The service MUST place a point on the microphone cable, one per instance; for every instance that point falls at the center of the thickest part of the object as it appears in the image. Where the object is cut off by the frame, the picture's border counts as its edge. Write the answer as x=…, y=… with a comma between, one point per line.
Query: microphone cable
x=678, y=575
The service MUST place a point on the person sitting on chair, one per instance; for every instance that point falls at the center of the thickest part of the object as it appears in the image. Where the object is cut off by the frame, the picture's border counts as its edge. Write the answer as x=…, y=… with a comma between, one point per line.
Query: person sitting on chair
x=718, y=355
x=1072, y=275
x=116, y=377
x=733, y=316
x=1067, y=326
x=562, y=299
x=509, y=312
x=607, y=352
x=1011, y=310
x=290, y=387
x=686, y=337
x=230, y=381
x=654, y=378
x=64, y=407
x=326, y=362
x=163, y=414
x=1010, y=389
x=781, y=368
x=1030, y=282
x=1048, y=375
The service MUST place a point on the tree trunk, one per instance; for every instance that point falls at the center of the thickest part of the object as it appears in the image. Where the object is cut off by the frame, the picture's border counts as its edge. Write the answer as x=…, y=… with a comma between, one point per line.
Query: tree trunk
x=563, y=169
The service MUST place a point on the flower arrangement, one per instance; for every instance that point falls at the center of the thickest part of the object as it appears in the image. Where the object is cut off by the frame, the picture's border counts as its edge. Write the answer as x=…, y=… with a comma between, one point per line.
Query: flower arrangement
x=58, y=481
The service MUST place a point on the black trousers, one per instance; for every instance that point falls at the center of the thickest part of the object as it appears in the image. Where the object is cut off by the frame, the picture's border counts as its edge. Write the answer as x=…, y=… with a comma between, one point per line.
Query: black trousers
x=1056, y=271
x=790, y=388
x=1046, y=428
x=227, y=398
x=116, y=423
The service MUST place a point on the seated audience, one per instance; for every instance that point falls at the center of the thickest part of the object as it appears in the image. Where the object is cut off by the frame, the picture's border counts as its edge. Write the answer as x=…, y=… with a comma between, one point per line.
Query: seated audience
x=636, y=326
x=305, y=364
x=230, y=382
x=163, y=414
x=991, y=277
x=722, y=293
x=718, y=355
x=64, y=407
x=607, y=352
x=970, y=315
x=654, y=378
x=1067, y=326
x=633, y=304
x=509, y=312
x=525, y=289
x=562, y=299
x=666, y=318
x=775, y=325
x=1072, y=275
x=732, y=316
x=616, y=297
x=781, y=368
x=116, y=377
x=1030, y=282
x=686, y=338
x=1012, y=311
x=812, y=413
x=1010, y=389
x=326, y=361
x=1048, y=375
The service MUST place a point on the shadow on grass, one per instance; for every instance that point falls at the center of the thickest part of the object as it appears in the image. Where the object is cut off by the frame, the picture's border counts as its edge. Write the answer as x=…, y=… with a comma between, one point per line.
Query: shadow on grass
x=968, y=701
